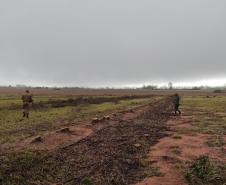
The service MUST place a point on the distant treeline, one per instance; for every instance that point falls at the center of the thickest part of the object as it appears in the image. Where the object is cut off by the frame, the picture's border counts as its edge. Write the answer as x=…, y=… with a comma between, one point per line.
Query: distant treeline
x=144, y=87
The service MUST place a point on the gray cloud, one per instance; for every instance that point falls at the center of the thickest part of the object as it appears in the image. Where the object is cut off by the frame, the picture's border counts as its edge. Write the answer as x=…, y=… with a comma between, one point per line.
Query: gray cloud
x=104, y=42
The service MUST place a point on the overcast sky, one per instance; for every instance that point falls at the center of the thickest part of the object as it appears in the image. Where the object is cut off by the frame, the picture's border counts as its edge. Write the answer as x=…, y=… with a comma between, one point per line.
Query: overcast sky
x=112, y=42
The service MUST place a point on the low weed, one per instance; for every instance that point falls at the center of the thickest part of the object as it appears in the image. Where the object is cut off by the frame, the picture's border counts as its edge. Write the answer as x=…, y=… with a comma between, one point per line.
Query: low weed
x=204, y=172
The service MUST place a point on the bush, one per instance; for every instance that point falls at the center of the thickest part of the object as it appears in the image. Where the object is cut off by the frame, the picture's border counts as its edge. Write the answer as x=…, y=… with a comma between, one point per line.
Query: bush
x=203, y=172
x=217, y=91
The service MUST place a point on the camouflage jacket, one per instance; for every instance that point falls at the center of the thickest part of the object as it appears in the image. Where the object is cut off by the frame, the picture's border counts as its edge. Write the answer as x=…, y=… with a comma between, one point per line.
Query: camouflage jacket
x=176, y=100
x=27, y=98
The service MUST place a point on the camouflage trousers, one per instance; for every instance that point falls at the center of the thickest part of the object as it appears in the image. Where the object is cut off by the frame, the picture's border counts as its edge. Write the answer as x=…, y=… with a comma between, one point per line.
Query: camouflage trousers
x=26, y=108
x=176, y=108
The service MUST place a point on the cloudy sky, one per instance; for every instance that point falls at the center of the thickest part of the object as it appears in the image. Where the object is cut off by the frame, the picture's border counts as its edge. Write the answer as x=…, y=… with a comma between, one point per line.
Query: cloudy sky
x=112, y=42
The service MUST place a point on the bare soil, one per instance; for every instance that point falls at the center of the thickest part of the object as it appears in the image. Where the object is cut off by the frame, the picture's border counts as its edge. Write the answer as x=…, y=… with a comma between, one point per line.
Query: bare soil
x=172, y=154
x=116, y=153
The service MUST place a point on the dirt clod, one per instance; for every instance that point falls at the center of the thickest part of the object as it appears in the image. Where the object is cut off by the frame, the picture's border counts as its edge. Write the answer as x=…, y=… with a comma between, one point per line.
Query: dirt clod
x=37, y=140
x=137, y=145
x=64, y=130
x=95, y=120
x=107, y=117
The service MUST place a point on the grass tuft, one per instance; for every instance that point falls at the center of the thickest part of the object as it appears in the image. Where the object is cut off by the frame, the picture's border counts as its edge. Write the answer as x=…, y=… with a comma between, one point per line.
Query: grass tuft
x=203, y=172
x=26, y=166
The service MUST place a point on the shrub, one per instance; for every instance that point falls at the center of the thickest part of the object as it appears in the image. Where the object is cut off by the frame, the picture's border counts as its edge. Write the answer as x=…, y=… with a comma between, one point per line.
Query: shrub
x=217, y=91
x=203, y=172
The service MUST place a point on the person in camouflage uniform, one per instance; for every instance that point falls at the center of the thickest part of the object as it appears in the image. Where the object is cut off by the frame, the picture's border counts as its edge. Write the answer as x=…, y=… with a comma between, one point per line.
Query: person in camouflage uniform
x=176, y=103
x=27, y=100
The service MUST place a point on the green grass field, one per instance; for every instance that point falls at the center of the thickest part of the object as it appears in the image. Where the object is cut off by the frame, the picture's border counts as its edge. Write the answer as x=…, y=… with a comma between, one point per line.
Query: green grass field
x=210, y=117
x=205, y=103
x=13, y=126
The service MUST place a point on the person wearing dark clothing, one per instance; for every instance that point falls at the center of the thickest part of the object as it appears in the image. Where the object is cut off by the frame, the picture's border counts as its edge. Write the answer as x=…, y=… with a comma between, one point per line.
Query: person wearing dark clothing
x=27, y=100
x=176, y=103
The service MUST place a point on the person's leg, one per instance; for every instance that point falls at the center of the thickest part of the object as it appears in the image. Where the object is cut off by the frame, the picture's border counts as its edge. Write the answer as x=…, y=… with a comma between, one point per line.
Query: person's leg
x=24, y=111
x=179, y=111
x=27, y=111
x=175, y=110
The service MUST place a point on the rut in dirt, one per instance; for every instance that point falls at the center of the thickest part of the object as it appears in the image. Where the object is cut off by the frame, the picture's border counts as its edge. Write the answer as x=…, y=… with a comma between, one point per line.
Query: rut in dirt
x=116, y=155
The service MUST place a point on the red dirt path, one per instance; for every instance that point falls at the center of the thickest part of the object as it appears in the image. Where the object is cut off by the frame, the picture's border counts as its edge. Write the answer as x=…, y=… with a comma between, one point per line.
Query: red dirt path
x=172, y=154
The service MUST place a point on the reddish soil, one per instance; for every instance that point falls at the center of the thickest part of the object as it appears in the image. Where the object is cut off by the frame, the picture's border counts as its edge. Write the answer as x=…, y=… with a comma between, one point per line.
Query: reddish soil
x=78, y=129
x=173, y=153
x=114, y=154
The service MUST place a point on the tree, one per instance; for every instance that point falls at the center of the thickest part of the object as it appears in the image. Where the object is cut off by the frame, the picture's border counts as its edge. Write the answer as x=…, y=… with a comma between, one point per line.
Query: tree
x=150, y=87
x=170, y=84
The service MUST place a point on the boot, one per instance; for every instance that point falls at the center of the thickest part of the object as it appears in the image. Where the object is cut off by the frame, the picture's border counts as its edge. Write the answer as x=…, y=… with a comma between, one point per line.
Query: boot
x=179, y=112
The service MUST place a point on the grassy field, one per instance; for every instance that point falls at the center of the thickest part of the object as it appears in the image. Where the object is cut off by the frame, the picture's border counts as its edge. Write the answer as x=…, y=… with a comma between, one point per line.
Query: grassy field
x=52, y=113
x=210, y=117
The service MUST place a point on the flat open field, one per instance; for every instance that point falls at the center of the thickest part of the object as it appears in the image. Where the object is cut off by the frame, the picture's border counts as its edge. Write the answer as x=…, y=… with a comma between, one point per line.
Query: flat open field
x=101, y=92
x=100, y=139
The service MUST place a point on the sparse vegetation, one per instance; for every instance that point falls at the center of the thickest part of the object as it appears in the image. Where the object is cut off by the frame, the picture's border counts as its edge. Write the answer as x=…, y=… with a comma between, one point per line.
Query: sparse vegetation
x=210, y=117
x=204, y=172
x=177, y=136
x=216, y=141
x=26, y=167
x=49, y=112
x=115, y=154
